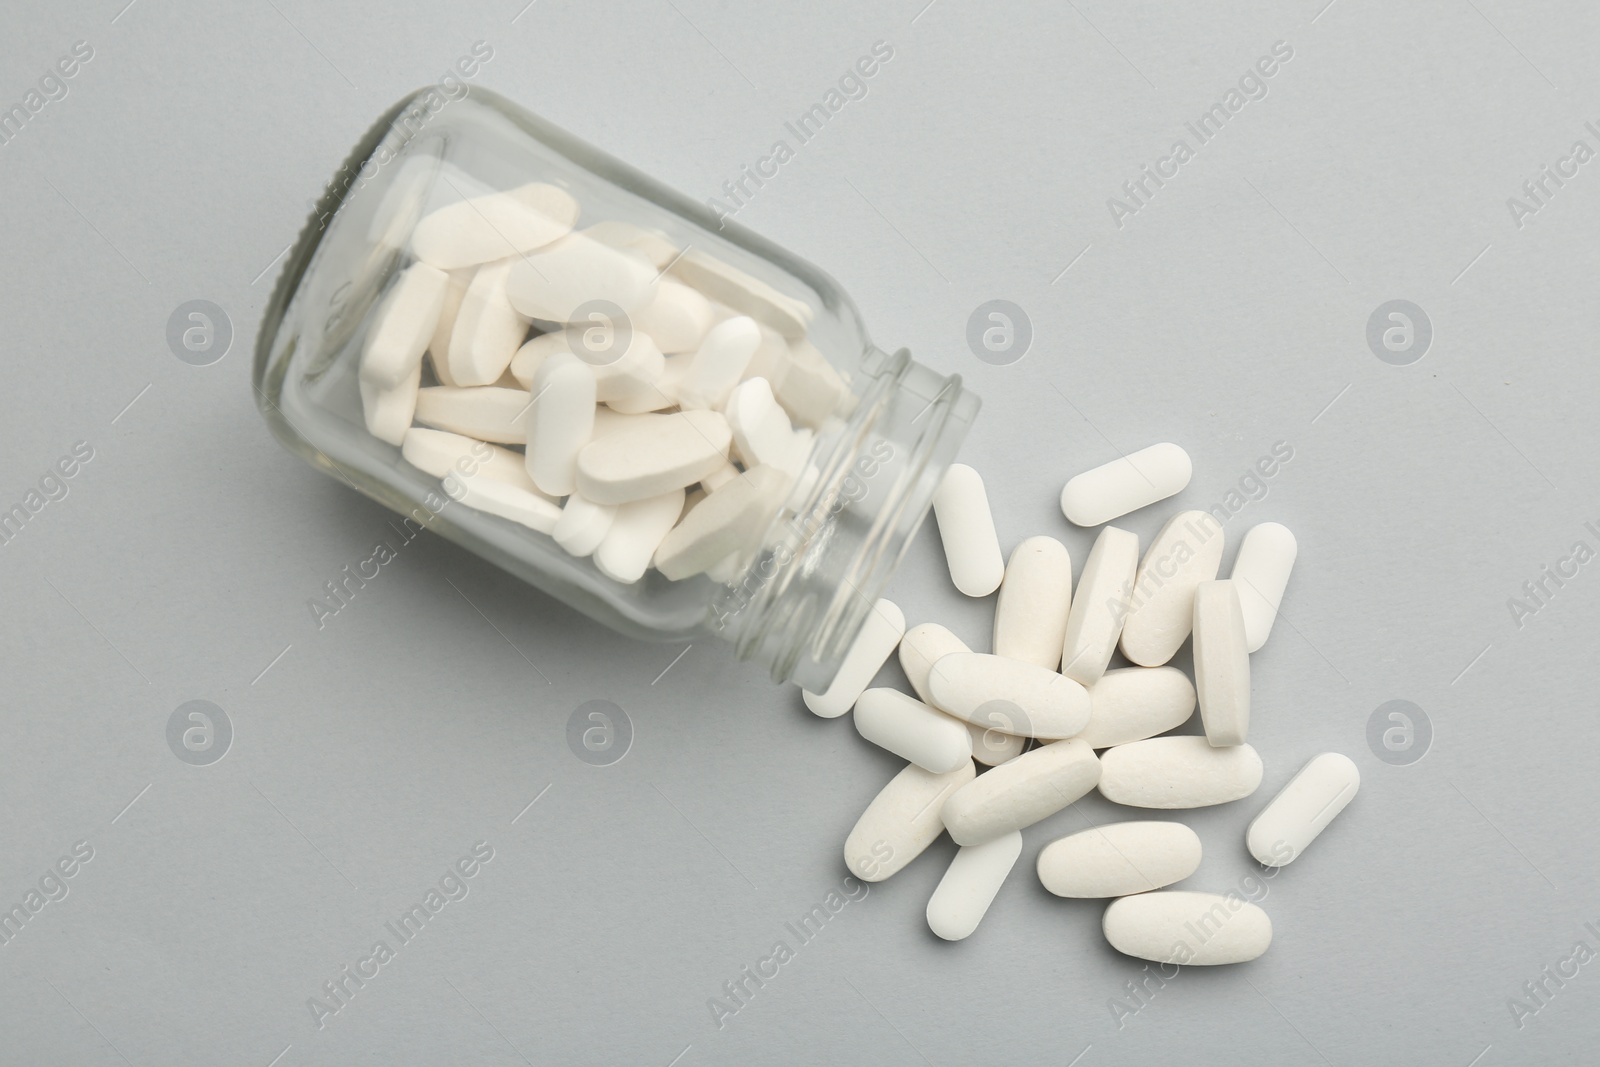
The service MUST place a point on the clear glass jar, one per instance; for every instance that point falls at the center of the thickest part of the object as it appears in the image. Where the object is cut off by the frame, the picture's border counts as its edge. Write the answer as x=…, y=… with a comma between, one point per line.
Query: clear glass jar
x=797, y=593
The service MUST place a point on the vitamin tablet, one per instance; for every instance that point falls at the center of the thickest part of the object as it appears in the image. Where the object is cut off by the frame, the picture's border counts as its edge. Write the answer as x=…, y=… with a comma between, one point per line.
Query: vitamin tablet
x=912, y=730
x=486, y=412
x=388, y=411
x=901, y=822
x=555, y=282
x=1095, y=621
x=636, y=532
x=1178, y=772
x=728, y=518
x=404, y=325
x=507, y=501
x=438, y=452
x=583, y=525
x=488, y=330
x=1137, y=480
x=761, y=430
x=532, y=354
x=876, y=641
x=742, y=292
x=1221, y=664
x=1186, y=552
x=494, y=226
x=971, y=548
x=1187, y=928
x=1030, y=616
x=1017, y=794
x=1009, y=695
x=970, y=884
x=1130, y=704
x=677, y=319
x=559, y=422
x=921, y=647
x=455, y=291
x=1119, y=858
x=718, y=363
x=1260, y=574
x=652, y=244
x=657, y=454
x=1302, y=809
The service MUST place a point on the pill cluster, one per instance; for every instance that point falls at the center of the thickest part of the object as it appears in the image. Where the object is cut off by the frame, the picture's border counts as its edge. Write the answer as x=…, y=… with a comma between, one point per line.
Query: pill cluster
x=643, y=404
x=1052, y=720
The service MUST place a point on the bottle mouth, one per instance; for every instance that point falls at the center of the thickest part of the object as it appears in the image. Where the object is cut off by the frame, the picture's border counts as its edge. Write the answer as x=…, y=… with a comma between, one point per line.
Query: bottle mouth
x=824, y=563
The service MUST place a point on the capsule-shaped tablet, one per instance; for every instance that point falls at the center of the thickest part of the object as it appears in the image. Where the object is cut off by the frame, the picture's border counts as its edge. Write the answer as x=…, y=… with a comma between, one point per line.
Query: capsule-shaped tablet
x=912, y=730
x=652, y=244
x=718, y=363
x=494, y=226
x=1302, y=809
x=1016, y=697
x=1119, y=858
x=635, y=534
x=1186, y=552
x=488, y=330
x=1030, y=615
x=559, y=421
x=555, y=282
x=1221, y=664
x=583, y=525
x=621, y=370
x=971, y=547
x=455, y=292
x=1095, y=621
x=655, y=455
x=1261, y=573
x=901, y=822
x=677, y=319
x=728, y=518
x=486, y=412
x=507, y=501
x=1132, y=703
x=1137, y=480
x=880, y=633
x=1017, y=794
x=741, y=291
x=1178, y=772
x=761, y=430
x=1187, y=928
x=404, y=325
x=388, y=410
x=920, y=648
x=440, y=452
x=532, y=354
x=969, y=885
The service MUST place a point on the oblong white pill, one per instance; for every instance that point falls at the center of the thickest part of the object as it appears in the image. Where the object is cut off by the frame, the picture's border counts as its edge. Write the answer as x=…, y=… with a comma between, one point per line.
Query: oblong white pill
x=880, y=633
x=1119, y=858
x=971, y=547
x=652, y=244
x=1187, y=928
x=553, y=283
x=677, y=319
x=455, y=292
x=388, y=411
x=487, y=412
x=1261, y=573
x=1303, y=809
x=507, y=501
x=532, y=354
x=761, y=430
x=970, y=884
x=1186, y=552
x=912, y=730
x=1030, y=615
x=744, y=293
x=729, y=518
x=810, y=388
x=1221, y=664
x=921, y=647
x=1095, y=621
x=1008, y=695
x=495, y=226
x=652, y=456
x=1132, y=703
x=1178, y=772
x=488, y=330
x=583, y=525
x=901, y=822
x=439, y=452
x=636, y=532
x=1137, y=480
x=619, y=374
x=1018, y=794
x=559, y=421
x=719, y=363
x=404, y=325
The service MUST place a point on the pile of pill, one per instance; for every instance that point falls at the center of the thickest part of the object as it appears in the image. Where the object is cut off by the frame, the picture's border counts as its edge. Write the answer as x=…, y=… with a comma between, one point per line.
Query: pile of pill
x=1051, y=719
x=645, y=405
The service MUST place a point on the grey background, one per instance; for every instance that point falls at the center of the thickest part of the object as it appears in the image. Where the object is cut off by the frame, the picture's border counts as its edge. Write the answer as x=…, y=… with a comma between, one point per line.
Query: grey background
x=1227, y=315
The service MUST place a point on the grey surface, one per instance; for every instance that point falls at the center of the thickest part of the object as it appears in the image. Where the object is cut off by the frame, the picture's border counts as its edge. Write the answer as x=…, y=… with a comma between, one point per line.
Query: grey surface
x=1227, y=315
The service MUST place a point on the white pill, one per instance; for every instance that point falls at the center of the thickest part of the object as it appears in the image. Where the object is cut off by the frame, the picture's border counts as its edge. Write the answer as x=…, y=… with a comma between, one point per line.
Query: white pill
x=650, y=457
x=1302, y=809
x=880, y=633
x=761, y=430
x=677, y=319
x=555, y=282
x=440, y=452
x=488, y=330
x=1119, y=858
x=1137, y=480
x=607, y=420
x=532, y=354
x=1187, y=928
x=920, y=648
x=1017, y=794
x=1186, y=552
x=971, y=548
x=583, y=525
x=969, y=885
x=635, y=534
x=1008, y=695
x=507, y=501
x=652, y=244
x=1178, y=772
x=404, y=325
x=1221, y=664
x=1095, y=621
x=901, y=822
x=811, y=389
x=439, y=346
x=1132, y=703
x=559, y=422
x=388, y=411
x=486, y=412
x=742, y=292
x=1260, y=573
x=495, y=226
x=718, y=363
x=1030, y=615
x=912, y=730
x=725, y=521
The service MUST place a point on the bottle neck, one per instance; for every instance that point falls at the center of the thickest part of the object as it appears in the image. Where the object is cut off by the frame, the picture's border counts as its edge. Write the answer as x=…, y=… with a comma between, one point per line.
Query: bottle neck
x=825, y=561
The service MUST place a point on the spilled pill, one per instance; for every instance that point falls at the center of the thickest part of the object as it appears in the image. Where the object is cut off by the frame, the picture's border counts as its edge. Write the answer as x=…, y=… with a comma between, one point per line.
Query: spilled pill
x=1098, y=611
x=971, y=548
x=1132, y=703
x=1030, y=615
x=1178, y=772
x=1017, y=794
x=1136, y=480
x=880, y=633
x=1303, y=809
x=1260, y=573
x=1187, y=928
x=925, y=644
x=1186, y=552
x=1221, y=664
x=970, y=884
x=1009, y=695
x=1119, y=858
x=902, y=821
x=912, y=730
